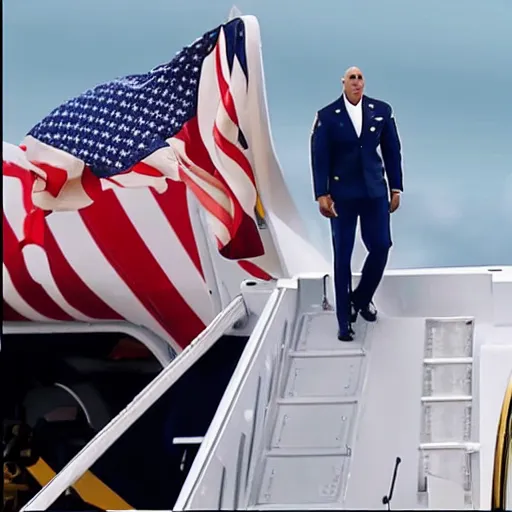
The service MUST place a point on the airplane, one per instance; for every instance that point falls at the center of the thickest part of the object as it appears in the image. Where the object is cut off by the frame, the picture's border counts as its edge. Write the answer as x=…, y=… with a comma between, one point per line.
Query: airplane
x=146, y=370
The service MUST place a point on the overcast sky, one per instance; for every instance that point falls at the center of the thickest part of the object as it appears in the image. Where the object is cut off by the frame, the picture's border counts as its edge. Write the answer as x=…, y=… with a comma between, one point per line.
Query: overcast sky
x=445, y=66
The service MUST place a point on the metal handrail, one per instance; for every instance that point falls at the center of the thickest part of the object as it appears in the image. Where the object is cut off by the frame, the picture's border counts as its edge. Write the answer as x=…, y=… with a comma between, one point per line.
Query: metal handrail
x=227, y=404
x=503, y=453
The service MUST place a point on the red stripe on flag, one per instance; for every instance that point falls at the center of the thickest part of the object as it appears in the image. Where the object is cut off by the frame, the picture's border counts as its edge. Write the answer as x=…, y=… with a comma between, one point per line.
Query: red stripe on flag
x=225, y=95
x=208, y=203
x=233, y=152
x=31, y=291
x=71, y=285
x=34, y=228
x=255, y=271
x=198, y=154
x=246, y=244
x=146, y=170
x=174, y=205
x=91, y=184
x=126, y=251
x=55, y=177
x=11, y=315
x=229, y=104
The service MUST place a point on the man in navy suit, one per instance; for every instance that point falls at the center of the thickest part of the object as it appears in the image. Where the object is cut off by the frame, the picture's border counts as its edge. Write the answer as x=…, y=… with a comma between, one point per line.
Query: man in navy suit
x=349, y=183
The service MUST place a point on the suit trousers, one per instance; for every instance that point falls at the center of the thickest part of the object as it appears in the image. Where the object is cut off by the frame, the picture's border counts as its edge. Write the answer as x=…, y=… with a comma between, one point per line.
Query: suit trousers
x=376, y=234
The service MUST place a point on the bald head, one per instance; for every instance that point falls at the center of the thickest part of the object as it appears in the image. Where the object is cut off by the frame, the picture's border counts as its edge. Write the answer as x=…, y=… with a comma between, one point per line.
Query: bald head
x=353, y=84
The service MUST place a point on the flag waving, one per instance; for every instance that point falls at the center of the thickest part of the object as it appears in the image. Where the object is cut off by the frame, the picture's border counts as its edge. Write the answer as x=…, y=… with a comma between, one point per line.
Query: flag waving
x=181, y=121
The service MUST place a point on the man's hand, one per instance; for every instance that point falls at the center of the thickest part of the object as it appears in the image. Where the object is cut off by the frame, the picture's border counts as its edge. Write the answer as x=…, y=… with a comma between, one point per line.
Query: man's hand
x=326, y=205
x=395, y=201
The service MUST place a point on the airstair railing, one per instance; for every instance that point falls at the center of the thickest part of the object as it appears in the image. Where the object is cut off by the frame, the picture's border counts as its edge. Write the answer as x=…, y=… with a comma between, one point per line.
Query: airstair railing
x=502, y=478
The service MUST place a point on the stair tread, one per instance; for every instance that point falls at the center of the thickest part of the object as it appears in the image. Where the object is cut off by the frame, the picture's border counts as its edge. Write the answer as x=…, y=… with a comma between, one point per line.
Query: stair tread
x=354, y=352
x=296, y=506
x=318, y=400
x=446, y=398
x=308, y=452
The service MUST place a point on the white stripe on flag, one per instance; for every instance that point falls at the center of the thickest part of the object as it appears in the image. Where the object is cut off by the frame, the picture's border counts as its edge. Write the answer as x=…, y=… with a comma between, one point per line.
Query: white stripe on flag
x=13, y=204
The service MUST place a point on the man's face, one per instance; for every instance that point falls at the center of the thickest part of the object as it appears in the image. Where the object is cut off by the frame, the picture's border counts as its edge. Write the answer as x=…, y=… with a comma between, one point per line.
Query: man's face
x=354, y=83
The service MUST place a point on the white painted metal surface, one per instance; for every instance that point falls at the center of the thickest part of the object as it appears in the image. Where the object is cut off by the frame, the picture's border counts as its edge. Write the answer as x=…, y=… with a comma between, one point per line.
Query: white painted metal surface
x=310, y=422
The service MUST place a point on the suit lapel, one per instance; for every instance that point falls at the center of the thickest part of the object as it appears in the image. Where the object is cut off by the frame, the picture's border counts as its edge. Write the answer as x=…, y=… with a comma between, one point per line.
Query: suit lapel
x=367, y=115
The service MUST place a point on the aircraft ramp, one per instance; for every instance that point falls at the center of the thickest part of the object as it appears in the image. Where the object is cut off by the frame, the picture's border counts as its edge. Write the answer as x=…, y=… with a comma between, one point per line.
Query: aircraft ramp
x=309, y=422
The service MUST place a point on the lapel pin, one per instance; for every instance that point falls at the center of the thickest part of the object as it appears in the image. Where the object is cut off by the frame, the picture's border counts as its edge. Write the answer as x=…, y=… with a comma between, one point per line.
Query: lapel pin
x=337, y=111
x=372, y=129
x=379, y=118
x=370, y=105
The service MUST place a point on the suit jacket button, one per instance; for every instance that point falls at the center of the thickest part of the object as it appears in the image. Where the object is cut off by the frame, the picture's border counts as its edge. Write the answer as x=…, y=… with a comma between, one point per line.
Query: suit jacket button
x=336, y=178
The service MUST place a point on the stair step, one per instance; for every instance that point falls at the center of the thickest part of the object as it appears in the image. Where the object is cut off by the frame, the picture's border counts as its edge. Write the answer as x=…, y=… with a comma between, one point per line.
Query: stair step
x=467, y=446
x=351, y=352
x=319, y=331
x=324, y=375
x=449, y=337
x=446, y=399
x=447, y=377
x=322, y=400
x=308, y=452
x=308, y=477
x=447, y=360
x=297, y=506
x=314, y=425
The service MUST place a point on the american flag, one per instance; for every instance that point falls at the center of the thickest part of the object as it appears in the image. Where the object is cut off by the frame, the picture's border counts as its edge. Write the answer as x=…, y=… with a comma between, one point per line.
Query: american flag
x=180, y=121
x=130, y=245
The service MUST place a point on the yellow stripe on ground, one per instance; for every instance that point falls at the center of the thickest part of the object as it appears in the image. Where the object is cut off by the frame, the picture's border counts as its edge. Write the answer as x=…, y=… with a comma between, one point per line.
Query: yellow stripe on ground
x=89, y=487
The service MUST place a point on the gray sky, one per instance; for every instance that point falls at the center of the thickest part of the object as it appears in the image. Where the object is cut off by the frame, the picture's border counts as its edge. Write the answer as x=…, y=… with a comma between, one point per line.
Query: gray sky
x=445, y=66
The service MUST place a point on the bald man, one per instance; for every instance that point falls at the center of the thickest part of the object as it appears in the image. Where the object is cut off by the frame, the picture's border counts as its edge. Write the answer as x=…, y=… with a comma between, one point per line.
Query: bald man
x=349, y=181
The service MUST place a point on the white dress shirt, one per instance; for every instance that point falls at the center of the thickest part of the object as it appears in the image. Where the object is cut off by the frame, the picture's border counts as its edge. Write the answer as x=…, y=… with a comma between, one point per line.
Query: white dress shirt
x=355, y=113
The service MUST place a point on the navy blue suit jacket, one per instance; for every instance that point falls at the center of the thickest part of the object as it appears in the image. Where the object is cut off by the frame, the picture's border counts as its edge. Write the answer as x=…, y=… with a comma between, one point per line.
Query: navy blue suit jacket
x=347, y=166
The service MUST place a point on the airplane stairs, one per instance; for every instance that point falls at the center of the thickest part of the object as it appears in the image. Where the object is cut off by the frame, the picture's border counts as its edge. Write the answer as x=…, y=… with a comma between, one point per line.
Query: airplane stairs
x=298, y=435
x=308, y=422
x=313, y=422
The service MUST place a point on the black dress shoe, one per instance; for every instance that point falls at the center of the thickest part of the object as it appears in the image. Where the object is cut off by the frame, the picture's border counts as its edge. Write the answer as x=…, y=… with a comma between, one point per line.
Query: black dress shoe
x=346, y=334
x=369, y=312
